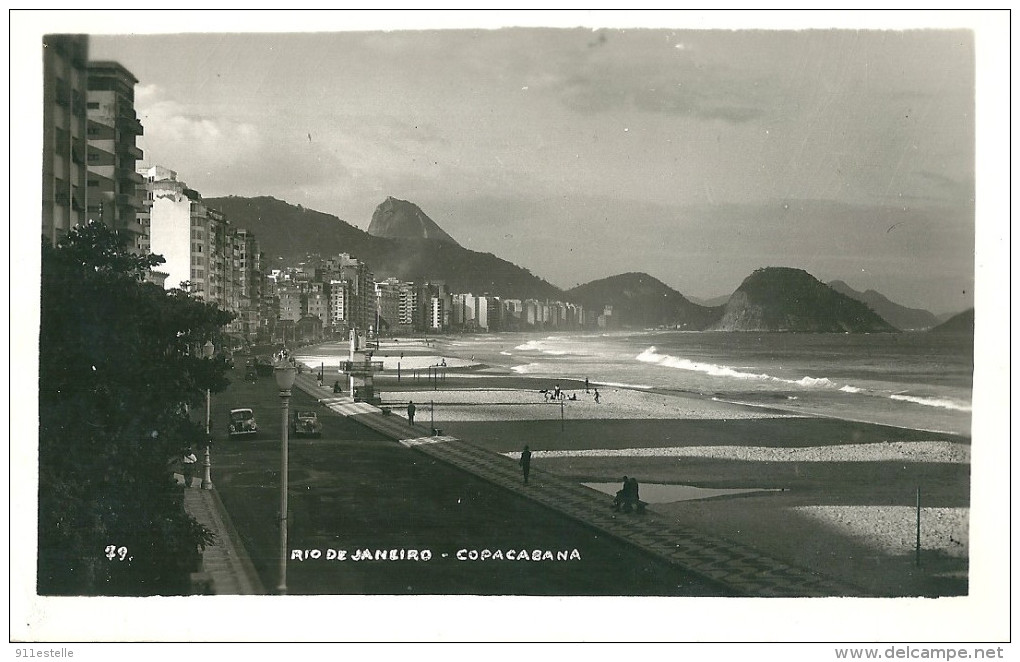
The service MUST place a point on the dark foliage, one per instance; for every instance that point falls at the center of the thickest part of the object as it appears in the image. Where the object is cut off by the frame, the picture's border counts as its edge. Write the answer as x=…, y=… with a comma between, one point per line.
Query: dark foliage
x=785, y=299
x=120, y=360
x=640, y=300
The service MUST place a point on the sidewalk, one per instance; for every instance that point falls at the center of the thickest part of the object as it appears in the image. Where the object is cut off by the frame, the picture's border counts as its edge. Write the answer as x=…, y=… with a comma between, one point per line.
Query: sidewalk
x=226, y=568
x=738, y=567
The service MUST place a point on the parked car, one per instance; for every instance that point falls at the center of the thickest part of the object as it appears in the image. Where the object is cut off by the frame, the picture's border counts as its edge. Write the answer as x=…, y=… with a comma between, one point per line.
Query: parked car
x=264, y=366
x=251, y=374
x=242, y=421
x=306, y=423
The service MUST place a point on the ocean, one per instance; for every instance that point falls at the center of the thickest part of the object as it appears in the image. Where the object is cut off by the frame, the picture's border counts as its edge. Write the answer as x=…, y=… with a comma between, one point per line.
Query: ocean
x=914, y=380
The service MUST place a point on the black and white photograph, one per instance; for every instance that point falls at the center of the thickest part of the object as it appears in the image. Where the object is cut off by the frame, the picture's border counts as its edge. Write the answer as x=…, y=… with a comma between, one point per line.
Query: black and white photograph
x=523, y=326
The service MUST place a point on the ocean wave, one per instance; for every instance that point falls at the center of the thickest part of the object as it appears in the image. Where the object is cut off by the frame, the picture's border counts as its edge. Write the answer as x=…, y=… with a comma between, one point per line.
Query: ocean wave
x=526, y=368
x=812, y=381
x=529, y=346
x=942, y=403
x=650, y=355
x=506, y=353
x=622, y=385
x=850, y=389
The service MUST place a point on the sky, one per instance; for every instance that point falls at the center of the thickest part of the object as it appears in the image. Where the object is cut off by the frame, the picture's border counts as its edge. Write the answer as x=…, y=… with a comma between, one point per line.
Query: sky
x=695, y=155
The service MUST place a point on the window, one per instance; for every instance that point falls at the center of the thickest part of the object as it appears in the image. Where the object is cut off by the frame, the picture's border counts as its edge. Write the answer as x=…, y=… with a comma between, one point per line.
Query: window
x=93, y=105
x=62, y=141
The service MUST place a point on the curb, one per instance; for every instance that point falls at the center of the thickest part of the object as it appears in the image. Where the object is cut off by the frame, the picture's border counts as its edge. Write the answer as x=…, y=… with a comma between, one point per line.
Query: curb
x=226, y=567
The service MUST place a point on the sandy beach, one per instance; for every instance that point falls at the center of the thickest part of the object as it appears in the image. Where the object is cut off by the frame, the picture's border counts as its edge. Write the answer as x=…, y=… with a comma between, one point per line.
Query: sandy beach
x=831, y=495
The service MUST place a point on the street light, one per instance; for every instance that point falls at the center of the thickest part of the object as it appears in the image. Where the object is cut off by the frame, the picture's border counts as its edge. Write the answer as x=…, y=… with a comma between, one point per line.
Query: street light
x=207, y=351
x=285, y=374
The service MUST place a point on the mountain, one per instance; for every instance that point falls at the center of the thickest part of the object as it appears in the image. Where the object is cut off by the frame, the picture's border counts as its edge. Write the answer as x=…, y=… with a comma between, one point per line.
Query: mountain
x=961, y=323
x=784, y=299
x=639, y=300
x=903, y=318
x=289, y=231
x=400, y=219
x=293, y=232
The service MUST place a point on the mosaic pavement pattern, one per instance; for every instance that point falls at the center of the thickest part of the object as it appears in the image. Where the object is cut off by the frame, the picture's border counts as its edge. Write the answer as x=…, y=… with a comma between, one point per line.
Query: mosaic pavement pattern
x=738, y=567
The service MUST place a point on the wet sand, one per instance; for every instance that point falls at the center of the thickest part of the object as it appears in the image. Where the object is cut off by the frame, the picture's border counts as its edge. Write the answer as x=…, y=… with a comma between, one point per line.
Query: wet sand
x=842, y=496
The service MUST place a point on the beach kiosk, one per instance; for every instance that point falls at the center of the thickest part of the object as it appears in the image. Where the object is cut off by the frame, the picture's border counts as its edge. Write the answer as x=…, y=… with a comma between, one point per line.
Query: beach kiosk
x=361, y=373
x=360, y=369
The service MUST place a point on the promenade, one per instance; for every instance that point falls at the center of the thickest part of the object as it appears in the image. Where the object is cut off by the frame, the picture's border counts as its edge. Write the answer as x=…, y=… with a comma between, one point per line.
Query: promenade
x=226, y=568
x=742, y=569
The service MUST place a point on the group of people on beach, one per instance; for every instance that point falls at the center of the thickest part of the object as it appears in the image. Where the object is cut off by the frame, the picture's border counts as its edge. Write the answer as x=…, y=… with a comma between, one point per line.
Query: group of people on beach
x=559, y=394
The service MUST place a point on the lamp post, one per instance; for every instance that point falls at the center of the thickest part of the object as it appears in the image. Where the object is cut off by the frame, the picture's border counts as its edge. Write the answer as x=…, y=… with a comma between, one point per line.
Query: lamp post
x=207, y=351
x=285, y=374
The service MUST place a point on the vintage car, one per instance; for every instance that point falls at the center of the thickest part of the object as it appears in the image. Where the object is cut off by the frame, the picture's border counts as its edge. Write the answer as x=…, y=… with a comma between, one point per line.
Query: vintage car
x=242, y=421
x=251, y=373
x=306, y=423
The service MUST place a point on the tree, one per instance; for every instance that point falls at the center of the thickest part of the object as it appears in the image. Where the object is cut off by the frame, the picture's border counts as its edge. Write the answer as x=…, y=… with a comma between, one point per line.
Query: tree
x=119, y=364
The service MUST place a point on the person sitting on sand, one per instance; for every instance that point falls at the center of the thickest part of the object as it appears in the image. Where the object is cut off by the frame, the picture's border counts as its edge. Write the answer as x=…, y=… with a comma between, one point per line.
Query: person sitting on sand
x=623, y=496
x=573, y=396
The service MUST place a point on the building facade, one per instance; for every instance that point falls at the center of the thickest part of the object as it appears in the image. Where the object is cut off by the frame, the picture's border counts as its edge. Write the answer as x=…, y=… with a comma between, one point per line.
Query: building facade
x=115, y=190
x=65, y=135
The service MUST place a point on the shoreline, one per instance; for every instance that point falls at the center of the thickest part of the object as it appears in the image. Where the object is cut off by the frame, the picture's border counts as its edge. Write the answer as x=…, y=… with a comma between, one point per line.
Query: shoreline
x=816, y=505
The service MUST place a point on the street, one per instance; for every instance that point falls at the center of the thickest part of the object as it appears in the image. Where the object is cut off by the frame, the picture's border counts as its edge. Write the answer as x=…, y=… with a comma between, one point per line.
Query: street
x=355, y=494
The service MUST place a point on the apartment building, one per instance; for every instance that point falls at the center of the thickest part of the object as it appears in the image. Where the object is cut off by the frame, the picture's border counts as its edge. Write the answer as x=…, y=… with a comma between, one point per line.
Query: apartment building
x=356, y=298
x=65, y=129
x=113, y=196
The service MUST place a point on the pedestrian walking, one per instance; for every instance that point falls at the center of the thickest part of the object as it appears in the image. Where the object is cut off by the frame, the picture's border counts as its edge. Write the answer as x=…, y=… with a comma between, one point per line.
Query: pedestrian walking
x=526, y=463
x=596, y=396
x=556, y=392
x=188, y=462
x=410, y=412
x=586, y=385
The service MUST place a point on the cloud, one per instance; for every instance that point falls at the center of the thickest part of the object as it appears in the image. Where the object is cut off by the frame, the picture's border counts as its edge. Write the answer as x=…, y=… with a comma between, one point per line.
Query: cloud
x=636, y=71
x=180, y=134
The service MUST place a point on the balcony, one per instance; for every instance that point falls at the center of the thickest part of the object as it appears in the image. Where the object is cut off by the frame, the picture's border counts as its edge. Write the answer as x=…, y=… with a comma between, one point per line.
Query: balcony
x=129, y=200
x=132, y=177
x=126, y=111
x=131, y=125
x=128, y=149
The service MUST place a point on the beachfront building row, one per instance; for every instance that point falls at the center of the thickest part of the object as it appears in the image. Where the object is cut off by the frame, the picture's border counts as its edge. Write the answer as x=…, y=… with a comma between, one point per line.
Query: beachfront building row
x=205, y=254
x=334, y=296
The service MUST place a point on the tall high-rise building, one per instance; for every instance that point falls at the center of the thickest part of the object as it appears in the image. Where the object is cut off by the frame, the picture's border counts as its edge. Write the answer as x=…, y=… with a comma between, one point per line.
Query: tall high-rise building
x=359, y=302
x=65, y=128
x=340, y=297
x=249, y=282
x=112, y=128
